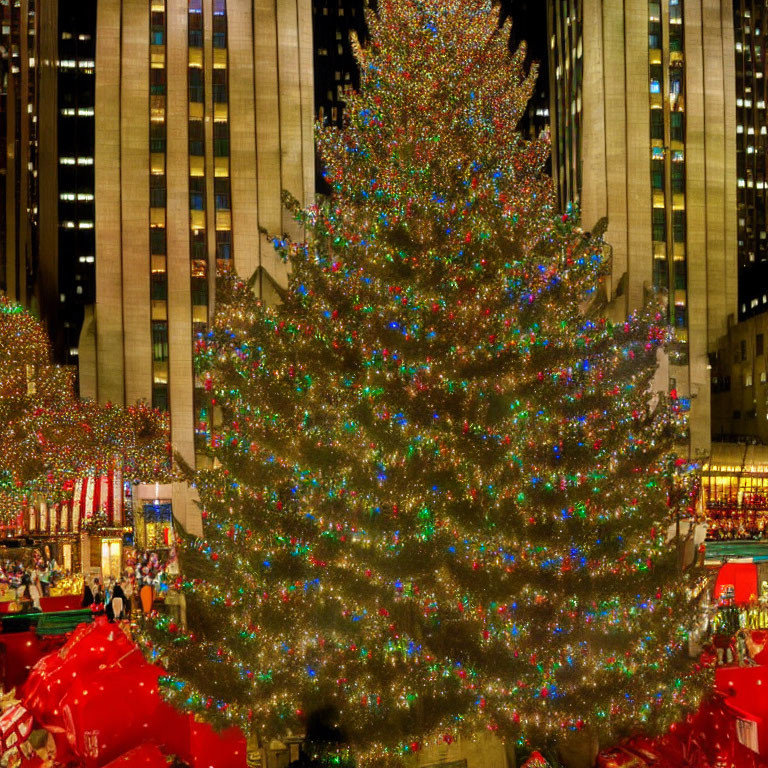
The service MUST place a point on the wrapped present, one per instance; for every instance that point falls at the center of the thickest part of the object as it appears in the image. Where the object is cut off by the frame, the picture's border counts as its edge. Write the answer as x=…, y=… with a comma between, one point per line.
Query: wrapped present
x=144, y=756
x=107, y=711
x=535, y=760
x=15, y=728
x=92, y=647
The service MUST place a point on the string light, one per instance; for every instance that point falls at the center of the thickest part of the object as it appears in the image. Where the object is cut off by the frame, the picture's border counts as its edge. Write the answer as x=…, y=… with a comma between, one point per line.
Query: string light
x=50, y=437
x=442, y=487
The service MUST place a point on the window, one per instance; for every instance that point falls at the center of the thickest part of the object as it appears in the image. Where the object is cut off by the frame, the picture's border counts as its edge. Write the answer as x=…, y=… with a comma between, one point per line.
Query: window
x=157, y=241
x=221, y=194
x=657, y=174
x=197, y=193
x=660, y=273
x=743, y=348
x=759, y=344
x=199, y=292
x=159, y=341
x=675, y=37
x=678, y=177
x=223, y=245
x=678, y=226
x=157, y=81
x=659, y=225
x=654, y=34
x=157, y=191
x=219, y=26
x=157, y=29
x=748, y=380
x=160, y=396
x=221, y=139
x=656, y=75
x=195, y=24
x=159, y=286
x=680, y=316
x=197, y=246
x=196, y=85
x=157, y=137
x=676, y=126
x=657, y=124
x=680, y=275
x=220, y=86
x=196, y=138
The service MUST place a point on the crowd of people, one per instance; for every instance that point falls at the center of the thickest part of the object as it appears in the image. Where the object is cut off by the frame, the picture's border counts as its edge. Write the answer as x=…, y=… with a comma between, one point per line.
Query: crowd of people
x=116, y=598
x=113, y=598
x=31, y=578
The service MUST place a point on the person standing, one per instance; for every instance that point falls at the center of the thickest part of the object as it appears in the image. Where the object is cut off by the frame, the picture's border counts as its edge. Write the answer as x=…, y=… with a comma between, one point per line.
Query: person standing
x=118, y=602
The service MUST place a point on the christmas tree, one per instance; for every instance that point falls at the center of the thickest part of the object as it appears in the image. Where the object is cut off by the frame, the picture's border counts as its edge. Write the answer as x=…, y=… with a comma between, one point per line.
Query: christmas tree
x=443, y=482
x=49, y=436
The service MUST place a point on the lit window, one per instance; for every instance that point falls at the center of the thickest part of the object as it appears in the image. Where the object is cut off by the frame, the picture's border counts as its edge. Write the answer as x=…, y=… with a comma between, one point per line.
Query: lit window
x=68, y=111
x=67, y=196
x=85, y=225
x=85, y=161
x=86, y=259
x=73, y=351
x=86, y=63
x=84, y=196
x=67, y=160
x=85, y=112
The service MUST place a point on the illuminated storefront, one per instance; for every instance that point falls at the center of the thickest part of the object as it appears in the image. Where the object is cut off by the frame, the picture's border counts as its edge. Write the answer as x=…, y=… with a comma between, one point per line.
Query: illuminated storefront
x=734, y=492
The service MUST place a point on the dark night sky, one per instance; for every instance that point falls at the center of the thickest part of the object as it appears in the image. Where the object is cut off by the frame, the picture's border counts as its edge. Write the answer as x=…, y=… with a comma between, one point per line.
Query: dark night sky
x=529, y=18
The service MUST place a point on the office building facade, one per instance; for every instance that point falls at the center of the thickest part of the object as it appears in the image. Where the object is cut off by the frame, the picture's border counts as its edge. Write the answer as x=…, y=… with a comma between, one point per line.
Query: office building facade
x=643, y=96
x=46, y=121
x=204, y=114
x=749, y=20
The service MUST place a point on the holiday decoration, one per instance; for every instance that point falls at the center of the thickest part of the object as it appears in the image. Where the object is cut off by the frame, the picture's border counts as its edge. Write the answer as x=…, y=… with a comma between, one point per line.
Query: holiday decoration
x=50, y=438
x=98, y=699
x=15, y=728
x=443, y=482
x=145, y=756
x=535, y=760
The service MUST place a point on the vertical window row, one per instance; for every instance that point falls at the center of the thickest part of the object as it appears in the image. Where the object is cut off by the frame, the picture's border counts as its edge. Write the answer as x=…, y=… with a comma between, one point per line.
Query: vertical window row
x=157, y=205
x=567, y=57
x=221, y=184
x=667, y=128
x=198, y=244
x=750, y=19
x=676, y=169
x=658, y=147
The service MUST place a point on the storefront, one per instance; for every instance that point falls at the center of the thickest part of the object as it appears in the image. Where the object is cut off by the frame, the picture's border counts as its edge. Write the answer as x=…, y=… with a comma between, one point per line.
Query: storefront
x=734, y=493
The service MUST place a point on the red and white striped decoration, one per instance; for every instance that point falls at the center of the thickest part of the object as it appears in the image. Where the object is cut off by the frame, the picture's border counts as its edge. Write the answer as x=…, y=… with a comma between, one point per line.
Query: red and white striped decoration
x=105, y=493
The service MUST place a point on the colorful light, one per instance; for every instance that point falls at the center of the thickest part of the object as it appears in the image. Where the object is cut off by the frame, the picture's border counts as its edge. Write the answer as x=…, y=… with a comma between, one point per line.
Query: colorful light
x=443, y=485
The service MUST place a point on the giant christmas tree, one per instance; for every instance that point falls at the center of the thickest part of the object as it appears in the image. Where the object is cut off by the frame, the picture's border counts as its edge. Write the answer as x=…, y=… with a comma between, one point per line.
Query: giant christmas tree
x=443, y=480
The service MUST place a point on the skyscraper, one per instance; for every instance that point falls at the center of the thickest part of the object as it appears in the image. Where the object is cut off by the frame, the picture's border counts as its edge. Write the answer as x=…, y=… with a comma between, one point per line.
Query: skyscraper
x=643, y=97
x=204, y=114
x=46, y=118
x=749, y=20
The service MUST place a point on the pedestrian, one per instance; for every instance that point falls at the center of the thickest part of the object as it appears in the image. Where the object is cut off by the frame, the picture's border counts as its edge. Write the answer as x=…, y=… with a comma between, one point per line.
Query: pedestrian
x=87, y=601
x=118, y=601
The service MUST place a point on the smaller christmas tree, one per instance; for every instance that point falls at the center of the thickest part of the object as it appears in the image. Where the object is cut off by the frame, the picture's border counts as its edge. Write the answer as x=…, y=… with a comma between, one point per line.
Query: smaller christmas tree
x=49, y=436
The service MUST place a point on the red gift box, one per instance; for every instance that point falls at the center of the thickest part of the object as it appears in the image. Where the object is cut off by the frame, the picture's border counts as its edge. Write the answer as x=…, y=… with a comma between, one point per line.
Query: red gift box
x=145, y=756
